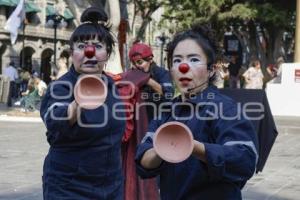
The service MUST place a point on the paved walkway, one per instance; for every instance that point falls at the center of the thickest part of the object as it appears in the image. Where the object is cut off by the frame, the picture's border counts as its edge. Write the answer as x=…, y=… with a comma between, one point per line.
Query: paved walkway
x=22, y=150
x=23, y=147
x=280, y=178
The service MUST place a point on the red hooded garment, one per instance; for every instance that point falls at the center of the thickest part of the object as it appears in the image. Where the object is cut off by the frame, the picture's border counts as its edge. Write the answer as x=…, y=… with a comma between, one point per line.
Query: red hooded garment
x=135, y=188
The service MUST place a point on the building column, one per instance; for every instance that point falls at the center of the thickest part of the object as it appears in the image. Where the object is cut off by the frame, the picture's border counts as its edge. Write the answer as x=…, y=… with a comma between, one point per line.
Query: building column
x=42, y=15
x=297, y=34
x=114, y=62
x=2, y=15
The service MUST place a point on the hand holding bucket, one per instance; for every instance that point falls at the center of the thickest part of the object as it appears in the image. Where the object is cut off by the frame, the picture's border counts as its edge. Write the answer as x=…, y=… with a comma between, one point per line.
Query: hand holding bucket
x=173, y=142
x=90, y=91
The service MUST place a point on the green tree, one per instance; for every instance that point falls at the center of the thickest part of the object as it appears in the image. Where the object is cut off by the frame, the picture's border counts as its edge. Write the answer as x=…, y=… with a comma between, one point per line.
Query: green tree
x=252, y=20
x=145, y=9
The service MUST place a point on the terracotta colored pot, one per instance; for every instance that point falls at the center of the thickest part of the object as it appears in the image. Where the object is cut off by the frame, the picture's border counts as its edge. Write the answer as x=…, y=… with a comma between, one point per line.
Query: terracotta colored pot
x=90, y=91
x=173, y=142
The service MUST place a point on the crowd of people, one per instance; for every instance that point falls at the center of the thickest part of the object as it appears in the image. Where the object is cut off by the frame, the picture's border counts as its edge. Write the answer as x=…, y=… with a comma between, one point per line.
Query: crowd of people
x=32, y=92
x=26, y=87
x=231, y=74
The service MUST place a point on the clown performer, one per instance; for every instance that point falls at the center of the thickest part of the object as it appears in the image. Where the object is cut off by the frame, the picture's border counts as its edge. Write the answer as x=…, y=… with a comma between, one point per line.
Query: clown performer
x=159, y=87
x=153, y=87
x=224, y=152
x=84, y=159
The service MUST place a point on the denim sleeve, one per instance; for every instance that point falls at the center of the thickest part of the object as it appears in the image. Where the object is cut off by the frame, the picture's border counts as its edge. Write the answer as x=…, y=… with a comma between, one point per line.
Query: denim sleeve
x=146, y=144
x=233, y=155
x=54, y=109
x=167, y=86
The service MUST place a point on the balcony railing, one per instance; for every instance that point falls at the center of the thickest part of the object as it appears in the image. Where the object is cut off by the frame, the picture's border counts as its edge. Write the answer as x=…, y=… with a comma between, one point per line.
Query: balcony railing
x=42, y=32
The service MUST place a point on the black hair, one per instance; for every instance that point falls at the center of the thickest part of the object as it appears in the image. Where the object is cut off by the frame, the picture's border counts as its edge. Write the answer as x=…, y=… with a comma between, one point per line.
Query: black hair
x=12, y=63
x=94, y=24
x=254, y=62
x=203, y=35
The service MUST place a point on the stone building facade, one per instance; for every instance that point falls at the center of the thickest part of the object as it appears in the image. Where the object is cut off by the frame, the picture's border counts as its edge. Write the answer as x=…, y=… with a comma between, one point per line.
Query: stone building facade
x=38, y=41
x=34, y=48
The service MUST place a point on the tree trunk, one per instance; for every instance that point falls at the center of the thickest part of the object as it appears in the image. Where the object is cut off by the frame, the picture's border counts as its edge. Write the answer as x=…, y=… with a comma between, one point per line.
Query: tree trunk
x=142, y=30
x=114, y=62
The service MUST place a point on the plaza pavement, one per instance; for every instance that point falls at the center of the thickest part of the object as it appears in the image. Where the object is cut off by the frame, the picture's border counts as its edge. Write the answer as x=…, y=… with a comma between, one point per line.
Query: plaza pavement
x=23, y=147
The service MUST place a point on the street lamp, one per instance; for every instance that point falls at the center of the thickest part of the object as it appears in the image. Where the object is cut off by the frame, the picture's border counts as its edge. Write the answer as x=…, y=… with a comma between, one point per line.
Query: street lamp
x=55, y=21
x=162, y=40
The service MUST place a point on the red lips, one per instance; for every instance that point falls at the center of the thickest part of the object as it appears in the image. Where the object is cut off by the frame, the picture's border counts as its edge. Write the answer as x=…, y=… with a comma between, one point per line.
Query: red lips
x=185, y=79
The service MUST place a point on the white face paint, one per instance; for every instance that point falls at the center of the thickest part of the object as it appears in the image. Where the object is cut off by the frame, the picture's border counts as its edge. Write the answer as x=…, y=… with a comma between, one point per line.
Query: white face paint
x=93, y=64
x=194, y=74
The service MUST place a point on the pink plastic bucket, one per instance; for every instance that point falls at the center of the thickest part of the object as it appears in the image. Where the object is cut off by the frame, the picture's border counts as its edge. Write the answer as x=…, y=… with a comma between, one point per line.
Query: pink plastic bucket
x=173, y=142
x=90, y=91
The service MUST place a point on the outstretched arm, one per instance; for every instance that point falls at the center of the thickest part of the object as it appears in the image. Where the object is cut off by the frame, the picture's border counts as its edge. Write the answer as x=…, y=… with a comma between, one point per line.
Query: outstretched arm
x=155, y=86
x=72, y=112
x=199, y=151
x=151, y=160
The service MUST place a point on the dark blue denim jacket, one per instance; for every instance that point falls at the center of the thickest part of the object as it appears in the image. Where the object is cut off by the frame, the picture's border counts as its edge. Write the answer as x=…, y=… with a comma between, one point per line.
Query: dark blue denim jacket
x=230, y=144
x=163, y=77
x=84, y=161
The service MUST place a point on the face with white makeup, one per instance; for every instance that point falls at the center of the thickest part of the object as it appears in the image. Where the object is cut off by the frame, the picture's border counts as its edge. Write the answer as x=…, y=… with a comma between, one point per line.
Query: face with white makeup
x=190, y=57
x=90, y=56
x=91, y=45
x=189, y=67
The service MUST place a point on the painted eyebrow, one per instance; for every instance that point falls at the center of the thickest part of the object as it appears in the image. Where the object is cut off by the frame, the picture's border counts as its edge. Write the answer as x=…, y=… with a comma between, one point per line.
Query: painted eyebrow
x=189, y=55
x=177, y=56
x=92, y=43
x=194, y=55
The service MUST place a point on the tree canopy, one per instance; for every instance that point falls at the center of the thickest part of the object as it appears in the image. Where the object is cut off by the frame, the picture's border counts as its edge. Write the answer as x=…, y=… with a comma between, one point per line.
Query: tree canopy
x=266, y=18
x=265, y=24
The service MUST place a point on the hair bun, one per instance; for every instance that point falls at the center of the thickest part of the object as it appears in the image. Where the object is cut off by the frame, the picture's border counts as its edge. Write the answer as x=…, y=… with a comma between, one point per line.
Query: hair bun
x=207, y=32
x=94, y=15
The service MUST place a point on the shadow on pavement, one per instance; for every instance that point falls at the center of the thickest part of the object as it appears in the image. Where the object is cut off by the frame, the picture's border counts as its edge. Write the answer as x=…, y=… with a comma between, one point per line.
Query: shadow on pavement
x=30, y=194
x=252, y=194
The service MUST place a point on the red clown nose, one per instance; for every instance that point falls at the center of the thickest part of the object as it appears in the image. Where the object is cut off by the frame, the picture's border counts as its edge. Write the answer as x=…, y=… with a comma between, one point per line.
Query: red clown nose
x=89, y=51
x=184, y=68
